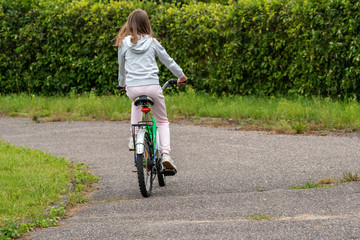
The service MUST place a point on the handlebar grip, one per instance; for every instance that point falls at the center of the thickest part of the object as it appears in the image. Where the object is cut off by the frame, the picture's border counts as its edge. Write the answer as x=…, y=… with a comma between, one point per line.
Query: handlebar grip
x=120, y=89
x=173, y=81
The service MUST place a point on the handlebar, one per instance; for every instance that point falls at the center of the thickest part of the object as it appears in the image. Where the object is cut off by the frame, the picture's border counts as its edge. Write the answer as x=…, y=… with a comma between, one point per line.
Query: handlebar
x=171, y=82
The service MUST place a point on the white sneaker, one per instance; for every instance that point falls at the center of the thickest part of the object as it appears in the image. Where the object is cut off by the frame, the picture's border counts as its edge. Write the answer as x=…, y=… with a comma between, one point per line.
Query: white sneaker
x=168, y=163
x=131, y=144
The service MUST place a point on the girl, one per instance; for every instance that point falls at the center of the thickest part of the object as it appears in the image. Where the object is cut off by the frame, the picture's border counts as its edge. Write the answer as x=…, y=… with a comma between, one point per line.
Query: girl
x=138, y=74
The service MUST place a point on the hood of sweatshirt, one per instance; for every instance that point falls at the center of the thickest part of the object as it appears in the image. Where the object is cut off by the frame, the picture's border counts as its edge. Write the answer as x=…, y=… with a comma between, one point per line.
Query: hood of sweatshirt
x=141, y=46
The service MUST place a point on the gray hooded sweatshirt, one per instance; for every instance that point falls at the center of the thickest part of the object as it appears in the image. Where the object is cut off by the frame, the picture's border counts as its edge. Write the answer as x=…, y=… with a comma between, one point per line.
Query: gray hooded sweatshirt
x=137, y=64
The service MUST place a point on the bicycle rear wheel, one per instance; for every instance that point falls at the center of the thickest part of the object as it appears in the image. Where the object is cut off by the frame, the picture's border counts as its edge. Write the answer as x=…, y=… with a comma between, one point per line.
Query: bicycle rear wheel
x=145, y=169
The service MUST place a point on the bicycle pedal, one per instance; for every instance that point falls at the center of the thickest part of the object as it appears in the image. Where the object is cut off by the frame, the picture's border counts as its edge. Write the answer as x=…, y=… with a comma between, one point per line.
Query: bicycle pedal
x=134, y=171
x=169, y=172
x=131, y=150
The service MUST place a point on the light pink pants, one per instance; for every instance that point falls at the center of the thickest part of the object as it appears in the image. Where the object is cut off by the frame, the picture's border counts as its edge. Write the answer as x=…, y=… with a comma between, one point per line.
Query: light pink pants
x=158, y=109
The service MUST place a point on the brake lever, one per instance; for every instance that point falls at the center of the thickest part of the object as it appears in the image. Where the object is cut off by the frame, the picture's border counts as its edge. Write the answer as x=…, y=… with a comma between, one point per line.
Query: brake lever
x=121, y=90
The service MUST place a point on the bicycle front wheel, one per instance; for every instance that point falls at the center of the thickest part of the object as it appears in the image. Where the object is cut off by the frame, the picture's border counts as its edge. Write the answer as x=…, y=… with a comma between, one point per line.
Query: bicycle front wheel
x=159, y=166
x=144, y=169
x=160, y=171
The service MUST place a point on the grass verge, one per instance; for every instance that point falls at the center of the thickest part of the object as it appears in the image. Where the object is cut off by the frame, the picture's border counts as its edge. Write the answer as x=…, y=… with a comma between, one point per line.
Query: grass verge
x=31, y=183
x=279, y=114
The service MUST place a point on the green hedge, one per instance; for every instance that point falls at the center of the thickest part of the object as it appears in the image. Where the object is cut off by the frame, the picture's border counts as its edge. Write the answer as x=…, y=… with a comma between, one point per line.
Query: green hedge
x=302, y=47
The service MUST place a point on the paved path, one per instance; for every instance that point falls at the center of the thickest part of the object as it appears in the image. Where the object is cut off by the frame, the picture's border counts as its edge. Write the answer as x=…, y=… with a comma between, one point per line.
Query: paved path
x=223, y=177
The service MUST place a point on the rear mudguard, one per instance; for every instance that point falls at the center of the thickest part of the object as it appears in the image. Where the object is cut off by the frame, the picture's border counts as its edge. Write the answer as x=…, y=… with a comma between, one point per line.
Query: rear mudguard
x=140, y=139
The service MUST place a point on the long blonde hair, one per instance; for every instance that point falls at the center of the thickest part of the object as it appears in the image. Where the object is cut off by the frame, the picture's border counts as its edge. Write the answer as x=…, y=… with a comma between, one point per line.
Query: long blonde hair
x=138, y=24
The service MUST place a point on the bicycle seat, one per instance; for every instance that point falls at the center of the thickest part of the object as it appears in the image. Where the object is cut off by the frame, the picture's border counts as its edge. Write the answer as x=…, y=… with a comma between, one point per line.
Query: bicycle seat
x=143, y=101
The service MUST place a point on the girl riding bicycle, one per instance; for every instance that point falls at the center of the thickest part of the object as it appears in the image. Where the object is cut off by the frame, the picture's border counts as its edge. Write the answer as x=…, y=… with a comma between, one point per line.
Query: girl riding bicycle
x=138, y=74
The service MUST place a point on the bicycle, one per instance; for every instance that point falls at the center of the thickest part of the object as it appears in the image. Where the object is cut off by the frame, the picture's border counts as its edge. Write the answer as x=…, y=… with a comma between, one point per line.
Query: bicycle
x=147, y=146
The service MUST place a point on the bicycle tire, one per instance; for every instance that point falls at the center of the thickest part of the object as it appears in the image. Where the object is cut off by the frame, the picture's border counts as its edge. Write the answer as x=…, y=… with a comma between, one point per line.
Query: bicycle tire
x=145, y=169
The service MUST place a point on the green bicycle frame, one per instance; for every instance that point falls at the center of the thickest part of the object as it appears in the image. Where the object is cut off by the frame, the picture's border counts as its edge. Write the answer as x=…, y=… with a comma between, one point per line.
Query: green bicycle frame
x=151, y=130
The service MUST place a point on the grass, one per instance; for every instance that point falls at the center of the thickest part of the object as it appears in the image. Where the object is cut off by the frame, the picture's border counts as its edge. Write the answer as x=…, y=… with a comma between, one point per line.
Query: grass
x=71, y=108
x=13, y=229
x=283, y=115
x=258, y=217
x=329, y=181
x=288, y=115
x=347, y=177
x=350, y=177
x=310, y=184
x=30, y=182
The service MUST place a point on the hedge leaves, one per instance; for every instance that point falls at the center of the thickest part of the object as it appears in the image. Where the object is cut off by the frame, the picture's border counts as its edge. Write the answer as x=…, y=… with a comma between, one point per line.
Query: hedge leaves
x=298, y=47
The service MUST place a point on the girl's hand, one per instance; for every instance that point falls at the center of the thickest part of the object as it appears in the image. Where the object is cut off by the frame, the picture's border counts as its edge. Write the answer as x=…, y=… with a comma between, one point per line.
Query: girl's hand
x=182, y=81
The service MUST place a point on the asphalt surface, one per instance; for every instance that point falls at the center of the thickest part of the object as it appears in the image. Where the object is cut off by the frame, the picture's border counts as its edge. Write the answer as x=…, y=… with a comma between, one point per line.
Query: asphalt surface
x=224, y=177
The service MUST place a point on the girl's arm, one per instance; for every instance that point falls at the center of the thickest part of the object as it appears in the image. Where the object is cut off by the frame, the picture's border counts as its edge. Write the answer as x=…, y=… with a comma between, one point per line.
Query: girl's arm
x=121, y=59
x=167, y=60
